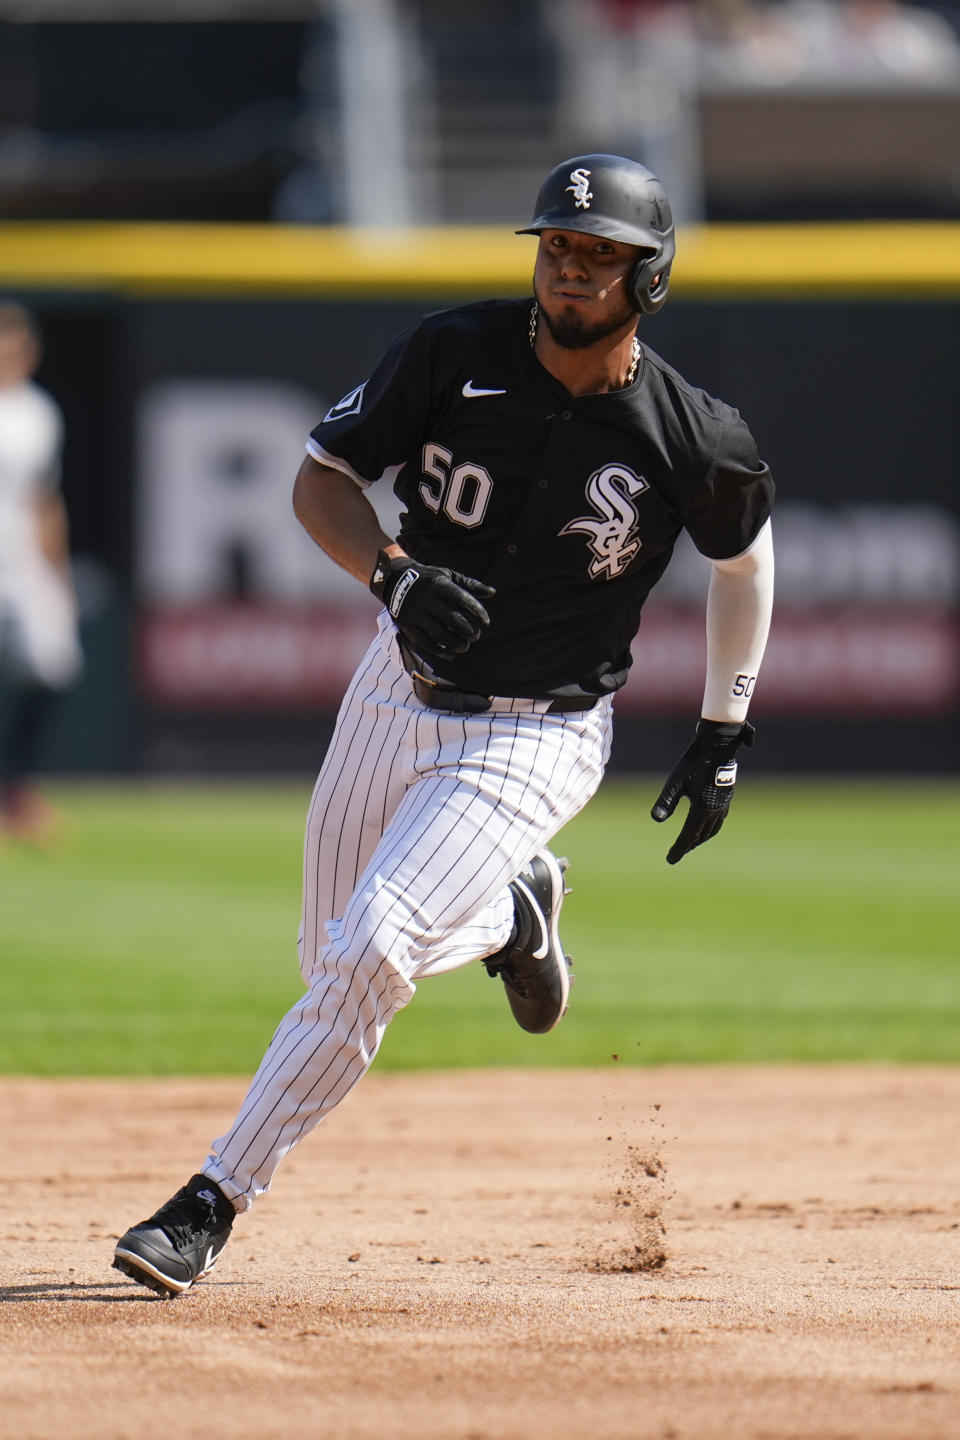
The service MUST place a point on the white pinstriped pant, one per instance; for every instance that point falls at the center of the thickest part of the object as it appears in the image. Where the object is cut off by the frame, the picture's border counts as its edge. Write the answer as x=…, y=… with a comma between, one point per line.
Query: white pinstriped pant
x=417, y=824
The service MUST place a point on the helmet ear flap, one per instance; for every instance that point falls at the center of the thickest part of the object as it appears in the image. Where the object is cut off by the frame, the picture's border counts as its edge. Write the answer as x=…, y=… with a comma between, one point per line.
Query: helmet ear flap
x=650, y=282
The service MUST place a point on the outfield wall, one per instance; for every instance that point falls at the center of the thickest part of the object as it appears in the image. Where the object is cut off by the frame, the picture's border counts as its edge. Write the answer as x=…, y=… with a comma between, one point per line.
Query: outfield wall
x=191, y=362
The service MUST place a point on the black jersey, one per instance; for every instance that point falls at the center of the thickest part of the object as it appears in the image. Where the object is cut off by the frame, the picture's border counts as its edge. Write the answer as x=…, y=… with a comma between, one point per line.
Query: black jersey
x=569, y=505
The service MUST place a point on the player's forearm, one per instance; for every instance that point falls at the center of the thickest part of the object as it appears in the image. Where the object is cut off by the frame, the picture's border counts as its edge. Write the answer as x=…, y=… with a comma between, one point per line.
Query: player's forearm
x=52, y=531
x=739, y=606
x=338, y=516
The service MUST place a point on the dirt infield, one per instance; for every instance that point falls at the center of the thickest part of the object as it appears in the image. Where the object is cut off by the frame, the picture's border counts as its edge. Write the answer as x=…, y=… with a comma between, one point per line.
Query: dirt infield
x=680, y=1254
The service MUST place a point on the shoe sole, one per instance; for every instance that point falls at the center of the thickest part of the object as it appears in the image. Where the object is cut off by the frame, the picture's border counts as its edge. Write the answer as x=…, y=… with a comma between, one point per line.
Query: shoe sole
x=140, y=1270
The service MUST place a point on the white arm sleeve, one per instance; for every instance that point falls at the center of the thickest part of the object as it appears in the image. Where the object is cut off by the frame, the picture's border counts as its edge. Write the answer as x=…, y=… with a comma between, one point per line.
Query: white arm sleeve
x=739, y=606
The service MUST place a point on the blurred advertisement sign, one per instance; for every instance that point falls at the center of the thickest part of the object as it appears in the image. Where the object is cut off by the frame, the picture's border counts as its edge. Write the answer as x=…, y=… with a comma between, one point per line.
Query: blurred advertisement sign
x=848, y=661
x=216, y=466
x=866, y=617
x=265, y=655
x=239, y=610
x=255, y=654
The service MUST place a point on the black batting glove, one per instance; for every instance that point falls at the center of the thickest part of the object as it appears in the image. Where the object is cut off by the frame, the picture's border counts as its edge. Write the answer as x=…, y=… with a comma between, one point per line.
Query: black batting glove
x=436, y=609
x=706, y=773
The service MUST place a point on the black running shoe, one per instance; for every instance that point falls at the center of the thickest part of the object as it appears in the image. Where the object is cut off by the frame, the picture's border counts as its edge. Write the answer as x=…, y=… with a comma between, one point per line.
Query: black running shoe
x=532, y=966
x=181, y=1242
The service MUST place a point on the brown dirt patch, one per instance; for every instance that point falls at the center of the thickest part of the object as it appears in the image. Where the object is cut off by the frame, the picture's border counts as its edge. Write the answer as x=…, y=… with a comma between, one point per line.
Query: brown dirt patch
x=680, y=1254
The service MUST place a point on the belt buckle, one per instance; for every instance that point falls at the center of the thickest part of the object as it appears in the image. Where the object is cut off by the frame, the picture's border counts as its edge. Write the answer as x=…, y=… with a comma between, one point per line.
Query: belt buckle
x=438, y=688
x=446, y=697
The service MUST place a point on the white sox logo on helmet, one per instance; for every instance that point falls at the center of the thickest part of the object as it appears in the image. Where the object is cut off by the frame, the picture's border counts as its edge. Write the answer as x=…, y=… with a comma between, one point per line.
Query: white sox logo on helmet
x=582, y=194
x=613, y=538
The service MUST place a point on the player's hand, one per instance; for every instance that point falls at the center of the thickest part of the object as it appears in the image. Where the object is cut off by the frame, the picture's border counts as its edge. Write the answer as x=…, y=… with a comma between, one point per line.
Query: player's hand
x=436, y=609
x=706, y=774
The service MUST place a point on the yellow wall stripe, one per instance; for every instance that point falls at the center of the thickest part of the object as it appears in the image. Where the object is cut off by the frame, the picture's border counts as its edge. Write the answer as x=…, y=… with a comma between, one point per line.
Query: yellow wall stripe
x=850, y=259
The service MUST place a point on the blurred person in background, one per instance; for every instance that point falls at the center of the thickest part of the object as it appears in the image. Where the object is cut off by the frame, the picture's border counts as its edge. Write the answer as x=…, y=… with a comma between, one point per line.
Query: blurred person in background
x=745, y=43
x=871, y=42
x=634, y=69
x=630, y=84
x=40, y=653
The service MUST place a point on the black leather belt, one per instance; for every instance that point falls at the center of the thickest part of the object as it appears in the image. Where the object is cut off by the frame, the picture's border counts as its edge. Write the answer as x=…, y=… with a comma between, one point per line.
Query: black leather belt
x=440, y=695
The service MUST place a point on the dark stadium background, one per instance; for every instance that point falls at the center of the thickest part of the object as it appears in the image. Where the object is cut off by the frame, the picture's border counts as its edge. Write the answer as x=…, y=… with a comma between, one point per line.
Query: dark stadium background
x=853, y=397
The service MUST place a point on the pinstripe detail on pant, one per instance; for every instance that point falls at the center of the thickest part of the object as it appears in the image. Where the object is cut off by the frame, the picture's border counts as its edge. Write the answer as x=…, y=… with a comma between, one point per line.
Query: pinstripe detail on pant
x=416, y=826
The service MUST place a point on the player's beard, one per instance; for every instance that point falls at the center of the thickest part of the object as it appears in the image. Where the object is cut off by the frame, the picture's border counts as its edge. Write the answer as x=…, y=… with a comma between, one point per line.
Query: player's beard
x=571, y=331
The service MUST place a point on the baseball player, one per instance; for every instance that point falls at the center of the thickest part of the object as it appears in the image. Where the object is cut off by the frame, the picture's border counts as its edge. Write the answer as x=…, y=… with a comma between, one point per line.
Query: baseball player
x=547, y=461
x=39, y=644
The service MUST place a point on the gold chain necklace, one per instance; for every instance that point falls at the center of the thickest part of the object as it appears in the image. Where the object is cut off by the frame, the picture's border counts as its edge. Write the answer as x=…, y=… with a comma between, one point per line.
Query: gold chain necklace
x=634, y=354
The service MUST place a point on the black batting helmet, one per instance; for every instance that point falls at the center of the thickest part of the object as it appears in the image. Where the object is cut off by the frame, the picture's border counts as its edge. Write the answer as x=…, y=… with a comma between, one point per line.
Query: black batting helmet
x=618, y=199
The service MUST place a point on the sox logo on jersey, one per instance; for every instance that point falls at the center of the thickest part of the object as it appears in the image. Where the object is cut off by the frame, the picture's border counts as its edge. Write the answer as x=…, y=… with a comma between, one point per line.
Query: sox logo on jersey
x=613, y=538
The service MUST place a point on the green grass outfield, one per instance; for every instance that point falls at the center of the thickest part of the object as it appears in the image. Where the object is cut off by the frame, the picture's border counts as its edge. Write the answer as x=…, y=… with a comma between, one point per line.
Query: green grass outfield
x=824, y=923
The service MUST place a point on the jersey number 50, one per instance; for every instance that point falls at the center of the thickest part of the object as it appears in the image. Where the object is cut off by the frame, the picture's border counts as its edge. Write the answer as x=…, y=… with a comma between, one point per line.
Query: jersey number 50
x=463, y=491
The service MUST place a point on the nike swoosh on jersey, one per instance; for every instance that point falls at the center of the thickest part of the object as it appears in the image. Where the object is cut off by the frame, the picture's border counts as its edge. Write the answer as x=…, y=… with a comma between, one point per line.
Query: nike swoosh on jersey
x=470, y=392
